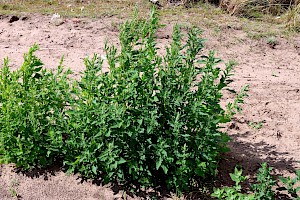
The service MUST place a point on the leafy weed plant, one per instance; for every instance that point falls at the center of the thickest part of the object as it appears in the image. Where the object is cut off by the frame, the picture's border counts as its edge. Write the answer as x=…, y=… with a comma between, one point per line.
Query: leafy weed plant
x=32, y=113
x=234, y=192
x=256, y=125
x=262, y=190
x=151, y=120
x=291, y=185
x=265, y=182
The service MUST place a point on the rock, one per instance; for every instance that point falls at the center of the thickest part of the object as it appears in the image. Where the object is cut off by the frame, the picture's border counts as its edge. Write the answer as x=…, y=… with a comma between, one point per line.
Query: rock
x=13, y=19
x=24, y=18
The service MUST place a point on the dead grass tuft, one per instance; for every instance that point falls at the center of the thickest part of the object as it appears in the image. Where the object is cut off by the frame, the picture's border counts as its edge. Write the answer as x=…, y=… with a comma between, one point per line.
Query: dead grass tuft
x=292, y=18
x=249, y=8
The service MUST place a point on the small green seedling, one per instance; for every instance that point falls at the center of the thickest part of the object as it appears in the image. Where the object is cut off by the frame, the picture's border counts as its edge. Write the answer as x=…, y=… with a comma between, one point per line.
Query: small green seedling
x=272, y=41
x=290, y=185
x=265, y=182
x=12, y=189
x=256, y=125
x=262, y=190
x=234, y=192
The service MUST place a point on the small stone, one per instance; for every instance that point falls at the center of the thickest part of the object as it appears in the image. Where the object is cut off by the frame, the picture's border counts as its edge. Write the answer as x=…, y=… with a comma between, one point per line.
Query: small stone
x=13, y=19
x=24, y=18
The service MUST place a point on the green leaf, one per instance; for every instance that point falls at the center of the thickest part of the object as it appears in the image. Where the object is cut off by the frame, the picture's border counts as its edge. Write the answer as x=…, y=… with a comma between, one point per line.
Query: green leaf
x=283, y=180
x=140, y=121
x=151, y=108
x=94, y=169
x=158, y=163
x=165, y=169
x=121, y=161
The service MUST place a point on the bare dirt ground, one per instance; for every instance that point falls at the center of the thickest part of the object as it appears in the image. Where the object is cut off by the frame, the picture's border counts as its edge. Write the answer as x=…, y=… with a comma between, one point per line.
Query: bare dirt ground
x=268, y=129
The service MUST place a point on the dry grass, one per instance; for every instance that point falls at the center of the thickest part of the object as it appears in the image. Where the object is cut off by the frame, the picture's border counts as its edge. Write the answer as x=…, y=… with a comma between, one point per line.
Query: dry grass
x=247, y=7
x=78, y=8
x=200, y=14
x=292, y=18
x=287, y=12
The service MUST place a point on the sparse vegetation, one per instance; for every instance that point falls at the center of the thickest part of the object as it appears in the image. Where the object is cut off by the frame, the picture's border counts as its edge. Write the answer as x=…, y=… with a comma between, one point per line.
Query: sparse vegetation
x=293, y=17
x=291, y=185
x=210, y=11
x=272, y=41
x=13, y=192
x=12, y=188
x=256, y=125
x=263, y=189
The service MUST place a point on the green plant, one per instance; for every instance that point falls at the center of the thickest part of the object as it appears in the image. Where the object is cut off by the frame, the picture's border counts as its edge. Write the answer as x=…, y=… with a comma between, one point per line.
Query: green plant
x=256, y=125
x=272, y=41
x=290, y=185
x=265, y=182
x=234, y=192
x=12, y=188
x=13, y=192
x=152, y=119
x=262, y=190
x=32, y=112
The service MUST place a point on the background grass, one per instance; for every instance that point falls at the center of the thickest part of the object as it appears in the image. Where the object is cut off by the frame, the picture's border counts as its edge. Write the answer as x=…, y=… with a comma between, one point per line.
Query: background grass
x=256, y=19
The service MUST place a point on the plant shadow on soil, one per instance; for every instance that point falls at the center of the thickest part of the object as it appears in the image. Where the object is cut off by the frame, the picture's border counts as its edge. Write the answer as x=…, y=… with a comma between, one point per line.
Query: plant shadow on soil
x=46, y=173
x=126, y=189
x=49, y=171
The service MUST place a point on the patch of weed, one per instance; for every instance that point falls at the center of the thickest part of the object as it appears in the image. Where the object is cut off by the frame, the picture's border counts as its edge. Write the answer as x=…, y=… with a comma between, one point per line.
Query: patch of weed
x=152, y=120
x=256, y=125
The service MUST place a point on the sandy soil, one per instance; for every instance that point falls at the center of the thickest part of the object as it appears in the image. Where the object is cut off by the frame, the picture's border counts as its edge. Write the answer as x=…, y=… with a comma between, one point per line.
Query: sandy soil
x=273, y=74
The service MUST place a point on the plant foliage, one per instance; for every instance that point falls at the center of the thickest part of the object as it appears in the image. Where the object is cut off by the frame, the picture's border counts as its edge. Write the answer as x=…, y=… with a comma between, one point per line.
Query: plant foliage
x=263, y=189
x=32, y=111
x=151, y=120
